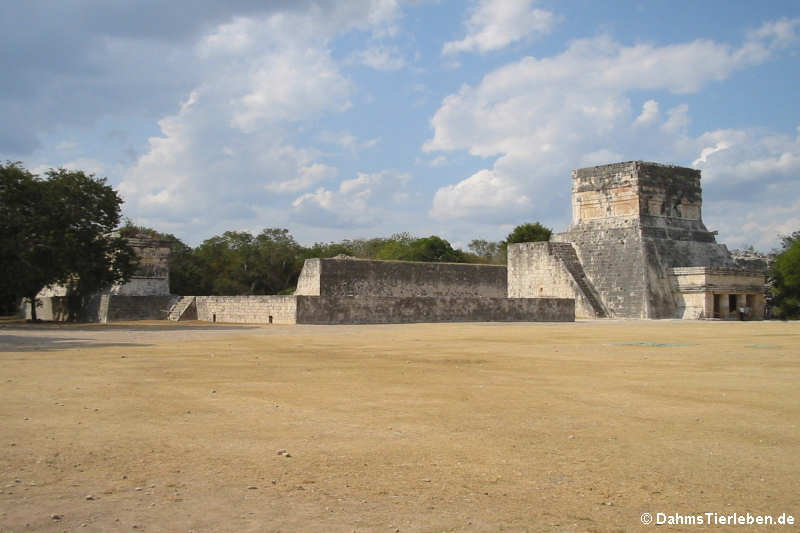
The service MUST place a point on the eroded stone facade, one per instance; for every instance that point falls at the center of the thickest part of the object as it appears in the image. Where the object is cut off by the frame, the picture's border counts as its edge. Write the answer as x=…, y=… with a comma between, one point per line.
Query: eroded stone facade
x=635, y=225
x=145, y=296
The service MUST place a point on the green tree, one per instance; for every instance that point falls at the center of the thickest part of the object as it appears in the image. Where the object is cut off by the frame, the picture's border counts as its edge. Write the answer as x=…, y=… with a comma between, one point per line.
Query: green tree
x=529, y=233
x=280, y=258
x=27, y=252
x=242, y=263
x=785, y=274
x=59, y=230
x=84, y=211
x=435, y=249
x=487, y=251
x=395, y=248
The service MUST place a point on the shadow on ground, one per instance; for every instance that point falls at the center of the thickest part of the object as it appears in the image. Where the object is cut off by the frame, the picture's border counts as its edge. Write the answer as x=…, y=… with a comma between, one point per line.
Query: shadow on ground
x=22, y=343
x=21, y=326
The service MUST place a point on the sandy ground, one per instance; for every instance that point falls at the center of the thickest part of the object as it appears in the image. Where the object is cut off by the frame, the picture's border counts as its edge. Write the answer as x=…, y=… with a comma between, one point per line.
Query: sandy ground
x=422, y=427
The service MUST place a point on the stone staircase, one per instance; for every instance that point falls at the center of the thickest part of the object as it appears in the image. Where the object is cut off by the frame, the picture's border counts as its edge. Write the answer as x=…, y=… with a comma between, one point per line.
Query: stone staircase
x=565, y=252
x=182, y=308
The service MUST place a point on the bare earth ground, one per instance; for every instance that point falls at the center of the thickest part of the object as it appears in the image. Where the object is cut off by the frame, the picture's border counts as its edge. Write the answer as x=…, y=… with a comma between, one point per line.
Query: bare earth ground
x=421, y=427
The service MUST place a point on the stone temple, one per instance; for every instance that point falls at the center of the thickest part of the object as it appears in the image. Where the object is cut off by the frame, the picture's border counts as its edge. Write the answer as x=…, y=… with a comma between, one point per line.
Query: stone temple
x=637, y=248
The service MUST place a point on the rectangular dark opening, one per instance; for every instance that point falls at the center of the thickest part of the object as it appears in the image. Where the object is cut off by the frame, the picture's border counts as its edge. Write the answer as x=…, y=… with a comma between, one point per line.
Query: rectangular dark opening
x=732, y=303
x=716, y=306
x=214, y=317
x=270, y=319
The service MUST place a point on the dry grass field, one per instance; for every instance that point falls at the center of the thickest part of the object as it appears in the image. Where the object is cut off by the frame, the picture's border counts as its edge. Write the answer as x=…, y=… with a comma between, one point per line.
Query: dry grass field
x=421, y=427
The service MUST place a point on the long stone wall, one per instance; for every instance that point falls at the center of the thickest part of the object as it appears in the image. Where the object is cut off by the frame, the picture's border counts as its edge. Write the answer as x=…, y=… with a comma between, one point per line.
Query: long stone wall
x=400, y=279
x=247, y=309
x=138, y=307
x=379, y=309
x=104, y=308
x=390, y=310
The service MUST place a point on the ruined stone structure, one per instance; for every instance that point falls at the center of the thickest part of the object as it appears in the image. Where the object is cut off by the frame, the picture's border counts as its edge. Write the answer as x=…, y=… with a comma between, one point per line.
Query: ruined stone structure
x=361, y=291
x=152, y=273
x=637, y=248
x=145, y=296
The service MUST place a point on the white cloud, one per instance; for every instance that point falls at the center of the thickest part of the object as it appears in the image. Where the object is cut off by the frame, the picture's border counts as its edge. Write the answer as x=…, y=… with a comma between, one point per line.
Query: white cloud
x=480, y=196
x=778, y=34
x=677, y=119
x=494, y=24
x=734, y=157
x=650, y=113
x=545, y=116
x=348, y=141
x=307, y=176
x=292, y=85
x=230, y=151
x=740, y=225
x=358, y=202
x=380, y=57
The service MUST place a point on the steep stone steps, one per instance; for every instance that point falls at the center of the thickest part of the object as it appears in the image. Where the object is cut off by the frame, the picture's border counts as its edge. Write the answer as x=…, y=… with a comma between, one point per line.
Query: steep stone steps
x=180, y=308
x=565, y=252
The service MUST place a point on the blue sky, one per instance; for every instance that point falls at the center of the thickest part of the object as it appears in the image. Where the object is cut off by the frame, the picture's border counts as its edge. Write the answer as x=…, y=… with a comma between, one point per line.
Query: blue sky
x=368, y=117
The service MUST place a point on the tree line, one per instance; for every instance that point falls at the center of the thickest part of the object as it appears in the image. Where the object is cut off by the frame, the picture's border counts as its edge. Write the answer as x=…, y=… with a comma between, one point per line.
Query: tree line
x=64, y=228
x=240, y=263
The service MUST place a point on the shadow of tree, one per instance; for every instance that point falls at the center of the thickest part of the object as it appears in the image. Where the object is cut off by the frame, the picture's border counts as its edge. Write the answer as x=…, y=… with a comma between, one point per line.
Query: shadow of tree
x=32, y=337
x=24, y=343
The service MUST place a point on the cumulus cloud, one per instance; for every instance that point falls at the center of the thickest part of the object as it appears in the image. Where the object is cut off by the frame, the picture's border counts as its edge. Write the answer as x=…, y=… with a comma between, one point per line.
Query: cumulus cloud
x=307, y=176
x=541, y=117
x=494, y=24
x=484, y=189
x=358, y=202
x=752, y=177
x=228, y=152
x=650, y=113
x=734, y=157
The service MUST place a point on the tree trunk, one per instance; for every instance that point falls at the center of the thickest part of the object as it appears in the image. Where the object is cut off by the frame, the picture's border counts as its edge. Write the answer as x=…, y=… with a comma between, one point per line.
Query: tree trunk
x=32, y=299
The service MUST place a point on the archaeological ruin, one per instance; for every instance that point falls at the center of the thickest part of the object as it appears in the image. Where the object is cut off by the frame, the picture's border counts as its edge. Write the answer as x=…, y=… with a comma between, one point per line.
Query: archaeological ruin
x=145, y=296
x=637, y=248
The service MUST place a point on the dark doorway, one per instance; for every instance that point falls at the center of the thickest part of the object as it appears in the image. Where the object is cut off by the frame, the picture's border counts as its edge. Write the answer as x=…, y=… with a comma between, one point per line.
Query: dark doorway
x=716, y=306
x=270, y=319
x=732, y=303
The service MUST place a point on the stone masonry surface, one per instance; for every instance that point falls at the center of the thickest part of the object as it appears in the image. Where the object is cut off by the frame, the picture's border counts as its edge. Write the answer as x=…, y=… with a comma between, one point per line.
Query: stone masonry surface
x=551, y=269
x=632, y=223
x=363, y=277
x=247, y=309
x=392, y=310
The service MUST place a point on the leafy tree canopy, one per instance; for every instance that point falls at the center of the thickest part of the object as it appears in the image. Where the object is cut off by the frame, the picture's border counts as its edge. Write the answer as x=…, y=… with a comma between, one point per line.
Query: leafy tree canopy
x=529, y=233
x=785, y=273
x=59, y=230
